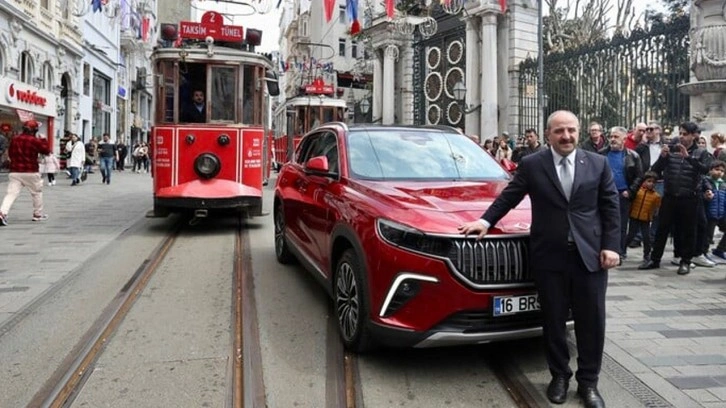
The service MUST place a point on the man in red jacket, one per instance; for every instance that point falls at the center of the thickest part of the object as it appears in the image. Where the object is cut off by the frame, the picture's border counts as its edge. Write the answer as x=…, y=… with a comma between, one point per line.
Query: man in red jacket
x=23, y=154
x=635, y=137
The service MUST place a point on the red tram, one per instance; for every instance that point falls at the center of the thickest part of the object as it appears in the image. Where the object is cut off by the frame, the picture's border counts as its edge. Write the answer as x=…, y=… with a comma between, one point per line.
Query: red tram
x=209, y=141
x=300, y=114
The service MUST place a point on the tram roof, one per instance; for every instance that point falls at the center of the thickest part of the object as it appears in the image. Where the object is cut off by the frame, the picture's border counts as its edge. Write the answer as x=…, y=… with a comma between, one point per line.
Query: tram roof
x=220, y=54
x=313, y=100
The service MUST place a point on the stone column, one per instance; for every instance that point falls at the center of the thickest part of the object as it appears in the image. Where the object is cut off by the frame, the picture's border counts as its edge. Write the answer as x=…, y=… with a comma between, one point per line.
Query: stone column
x=708, y=63
x=471, y=120
x=489, y=77
x=389, y=58
x=406, y=94
x=377, y=87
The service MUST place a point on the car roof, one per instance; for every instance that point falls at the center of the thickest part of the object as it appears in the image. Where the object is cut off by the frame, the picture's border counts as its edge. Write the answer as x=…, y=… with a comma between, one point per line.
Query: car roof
x=378, y=126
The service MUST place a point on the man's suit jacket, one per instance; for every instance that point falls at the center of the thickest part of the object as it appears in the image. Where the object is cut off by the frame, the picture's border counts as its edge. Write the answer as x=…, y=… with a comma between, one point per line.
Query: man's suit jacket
x=193, y=115
x=592, y=212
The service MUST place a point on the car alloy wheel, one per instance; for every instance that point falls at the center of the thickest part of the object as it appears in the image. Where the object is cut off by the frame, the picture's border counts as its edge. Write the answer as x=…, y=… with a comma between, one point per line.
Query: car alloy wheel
x=350, y=303
x=282, y=251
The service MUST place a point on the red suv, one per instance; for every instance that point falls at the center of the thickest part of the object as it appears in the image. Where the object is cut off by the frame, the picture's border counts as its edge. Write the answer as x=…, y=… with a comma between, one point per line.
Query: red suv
x=371, y=211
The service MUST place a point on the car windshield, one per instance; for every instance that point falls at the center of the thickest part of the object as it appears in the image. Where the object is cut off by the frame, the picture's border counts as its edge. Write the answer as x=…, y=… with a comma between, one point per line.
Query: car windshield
x=418, y=154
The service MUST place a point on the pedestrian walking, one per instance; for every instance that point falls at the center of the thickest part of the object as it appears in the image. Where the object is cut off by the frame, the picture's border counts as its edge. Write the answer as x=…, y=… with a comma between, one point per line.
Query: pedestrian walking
x=77, y=159
x=574, y=240
x=49, y=165
x=108, y=155
x=682, y=166
x=23, y=152
x=123, y=152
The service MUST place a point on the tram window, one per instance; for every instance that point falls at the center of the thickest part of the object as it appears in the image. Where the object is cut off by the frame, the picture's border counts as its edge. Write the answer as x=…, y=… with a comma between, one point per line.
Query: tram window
x=193, y=99
x=314, y=118
x=167, y=89
x=222, y=98
x=328, y=115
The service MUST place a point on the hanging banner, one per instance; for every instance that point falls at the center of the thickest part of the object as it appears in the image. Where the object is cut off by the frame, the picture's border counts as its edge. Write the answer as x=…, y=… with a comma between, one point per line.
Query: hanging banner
x=24, y=115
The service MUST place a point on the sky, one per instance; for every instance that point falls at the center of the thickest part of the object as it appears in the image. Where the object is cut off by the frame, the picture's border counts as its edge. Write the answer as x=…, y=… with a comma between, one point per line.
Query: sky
x=267, y=22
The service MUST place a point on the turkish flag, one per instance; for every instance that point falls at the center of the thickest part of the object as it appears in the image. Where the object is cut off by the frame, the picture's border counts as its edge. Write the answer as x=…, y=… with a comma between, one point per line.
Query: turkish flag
x=145, y=29
x=503, y=5
x=329, y=6
x=389, y=8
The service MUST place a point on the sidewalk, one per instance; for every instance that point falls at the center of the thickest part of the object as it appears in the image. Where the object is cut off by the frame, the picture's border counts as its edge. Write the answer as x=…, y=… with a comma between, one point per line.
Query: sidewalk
x=670, y=330
x=82, y=220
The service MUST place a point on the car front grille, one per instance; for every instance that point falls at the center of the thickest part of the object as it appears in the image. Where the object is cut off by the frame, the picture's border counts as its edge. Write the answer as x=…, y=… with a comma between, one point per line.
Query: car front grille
x=492, y=261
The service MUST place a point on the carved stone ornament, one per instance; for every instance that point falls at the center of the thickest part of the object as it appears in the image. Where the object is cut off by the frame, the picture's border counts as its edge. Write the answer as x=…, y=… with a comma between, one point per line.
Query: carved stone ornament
x=15, y=28
x=707, y=39
x=391, y=52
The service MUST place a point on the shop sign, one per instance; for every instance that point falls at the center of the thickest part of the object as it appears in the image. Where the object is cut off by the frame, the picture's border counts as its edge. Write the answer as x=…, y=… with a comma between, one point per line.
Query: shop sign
x=27, y=97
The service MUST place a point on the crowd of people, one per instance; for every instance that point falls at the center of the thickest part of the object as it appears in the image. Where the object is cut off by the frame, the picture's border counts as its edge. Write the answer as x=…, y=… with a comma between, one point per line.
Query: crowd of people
x=29, y=158
x=666, y=188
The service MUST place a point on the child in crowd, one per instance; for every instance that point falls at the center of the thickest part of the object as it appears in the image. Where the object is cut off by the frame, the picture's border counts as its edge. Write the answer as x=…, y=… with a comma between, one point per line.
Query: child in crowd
x=642, y=209
x=715, y=196
x=49, y=165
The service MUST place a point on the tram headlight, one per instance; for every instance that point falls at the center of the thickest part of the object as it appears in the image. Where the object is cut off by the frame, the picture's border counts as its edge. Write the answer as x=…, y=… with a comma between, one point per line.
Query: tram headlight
x=207, y=165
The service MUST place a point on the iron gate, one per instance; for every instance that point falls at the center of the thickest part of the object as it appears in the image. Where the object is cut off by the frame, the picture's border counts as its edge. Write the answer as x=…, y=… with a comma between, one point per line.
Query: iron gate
x=617, y=83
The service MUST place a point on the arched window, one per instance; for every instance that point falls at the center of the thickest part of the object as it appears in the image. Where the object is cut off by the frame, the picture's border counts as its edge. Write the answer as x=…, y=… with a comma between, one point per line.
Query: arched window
x=48, y=76
x=26, y=67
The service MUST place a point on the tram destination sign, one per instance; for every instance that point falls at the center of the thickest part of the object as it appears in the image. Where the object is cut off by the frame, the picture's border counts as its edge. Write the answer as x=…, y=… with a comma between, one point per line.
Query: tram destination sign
x=211, y=26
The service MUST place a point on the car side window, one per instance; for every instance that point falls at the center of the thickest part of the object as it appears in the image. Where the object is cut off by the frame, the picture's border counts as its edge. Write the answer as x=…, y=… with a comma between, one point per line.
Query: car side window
x=308, y=147
x=329, y=146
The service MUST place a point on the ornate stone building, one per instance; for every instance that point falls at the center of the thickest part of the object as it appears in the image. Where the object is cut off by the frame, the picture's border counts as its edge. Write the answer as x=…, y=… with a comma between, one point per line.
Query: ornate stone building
x=40, y=53
x=415, y=78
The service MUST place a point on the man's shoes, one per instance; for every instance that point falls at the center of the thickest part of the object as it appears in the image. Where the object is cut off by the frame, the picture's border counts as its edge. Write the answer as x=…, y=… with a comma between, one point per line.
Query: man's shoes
x=557, y=390
x=634, y=244
x=3, y=220
x=649, y=265
x=590, y=397
x=104, y=180
x=40, y=217
x=701, y=260
x=718, y=255
x=677, y=262
x=684, y=268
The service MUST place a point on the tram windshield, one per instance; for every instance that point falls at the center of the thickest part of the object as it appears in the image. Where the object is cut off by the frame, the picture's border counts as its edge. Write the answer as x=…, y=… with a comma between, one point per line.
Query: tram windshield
x=308, y=117
x=210, y=93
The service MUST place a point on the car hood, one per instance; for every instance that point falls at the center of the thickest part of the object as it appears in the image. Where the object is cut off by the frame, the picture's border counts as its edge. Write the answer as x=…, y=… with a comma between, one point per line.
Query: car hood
x=439, y=207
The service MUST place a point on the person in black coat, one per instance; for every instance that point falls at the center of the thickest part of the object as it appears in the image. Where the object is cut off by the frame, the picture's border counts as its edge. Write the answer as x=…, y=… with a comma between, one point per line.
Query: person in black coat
x=574, y=240
x=196, y=112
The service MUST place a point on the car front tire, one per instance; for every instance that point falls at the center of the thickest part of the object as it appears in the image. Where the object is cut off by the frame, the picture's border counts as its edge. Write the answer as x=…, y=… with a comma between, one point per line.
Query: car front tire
x=351, y=303
x=282, y=251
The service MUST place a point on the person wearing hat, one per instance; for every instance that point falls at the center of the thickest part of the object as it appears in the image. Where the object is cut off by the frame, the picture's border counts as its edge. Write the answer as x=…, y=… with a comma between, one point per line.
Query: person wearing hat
x=23, y=153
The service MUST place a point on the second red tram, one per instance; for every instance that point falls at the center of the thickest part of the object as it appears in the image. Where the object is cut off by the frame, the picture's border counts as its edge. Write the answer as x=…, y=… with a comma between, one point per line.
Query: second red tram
x=209, y=141
x=297, y=116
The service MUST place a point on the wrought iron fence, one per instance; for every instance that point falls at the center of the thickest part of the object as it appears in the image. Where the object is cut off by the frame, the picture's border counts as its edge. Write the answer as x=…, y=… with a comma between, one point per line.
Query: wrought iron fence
x=617, y=83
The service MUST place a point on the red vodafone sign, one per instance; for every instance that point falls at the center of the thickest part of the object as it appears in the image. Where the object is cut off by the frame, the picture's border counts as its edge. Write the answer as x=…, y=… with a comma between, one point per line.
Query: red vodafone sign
x=211, y=26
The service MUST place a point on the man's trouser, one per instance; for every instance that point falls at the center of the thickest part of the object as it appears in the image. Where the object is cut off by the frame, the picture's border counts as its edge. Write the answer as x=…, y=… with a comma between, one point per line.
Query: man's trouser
x=16, y=181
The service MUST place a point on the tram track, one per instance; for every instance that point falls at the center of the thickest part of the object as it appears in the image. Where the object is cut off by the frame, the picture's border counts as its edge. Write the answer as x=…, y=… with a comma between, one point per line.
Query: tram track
x=245, y=384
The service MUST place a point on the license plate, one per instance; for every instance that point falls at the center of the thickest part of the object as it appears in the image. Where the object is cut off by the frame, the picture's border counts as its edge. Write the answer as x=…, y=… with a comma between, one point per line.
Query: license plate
x=507, y=305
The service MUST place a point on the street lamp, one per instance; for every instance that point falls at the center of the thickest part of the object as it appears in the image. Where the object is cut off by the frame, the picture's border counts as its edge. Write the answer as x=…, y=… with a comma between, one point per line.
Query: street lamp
x=459, y=94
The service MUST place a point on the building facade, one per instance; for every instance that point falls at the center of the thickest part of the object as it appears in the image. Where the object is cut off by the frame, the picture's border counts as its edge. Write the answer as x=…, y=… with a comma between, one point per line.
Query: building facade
x=40, y=54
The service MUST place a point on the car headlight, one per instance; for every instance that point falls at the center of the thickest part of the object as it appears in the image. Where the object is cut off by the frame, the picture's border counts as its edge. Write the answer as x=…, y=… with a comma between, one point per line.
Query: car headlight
x=411, y=238
x=207, y=165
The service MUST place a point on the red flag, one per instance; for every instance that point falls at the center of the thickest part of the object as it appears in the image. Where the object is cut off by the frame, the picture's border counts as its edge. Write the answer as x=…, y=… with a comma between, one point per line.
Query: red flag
x=145, y=29
x=328, y=6
x=503, y=5
x=389, y=8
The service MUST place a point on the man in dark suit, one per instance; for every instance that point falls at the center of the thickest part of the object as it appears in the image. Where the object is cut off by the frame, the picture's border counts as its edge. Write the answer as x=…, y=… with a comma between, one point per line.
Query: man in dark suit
x=575, y=239
x=197, y=111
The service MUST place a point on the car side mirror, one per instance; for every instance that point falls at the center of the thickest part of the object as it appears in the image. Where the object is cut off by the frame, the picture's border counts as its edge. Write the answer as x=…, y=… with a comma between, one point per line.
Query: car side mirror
x=318, y=164
x=509, y=165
